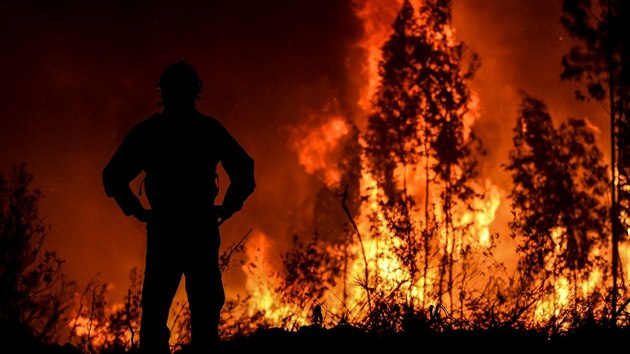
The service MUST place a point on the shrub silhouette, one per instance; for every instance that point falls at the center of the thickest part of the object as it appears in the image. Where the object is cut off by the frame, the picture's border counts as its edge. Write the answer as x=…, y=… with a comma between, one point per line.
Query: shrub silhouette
x=34, y=294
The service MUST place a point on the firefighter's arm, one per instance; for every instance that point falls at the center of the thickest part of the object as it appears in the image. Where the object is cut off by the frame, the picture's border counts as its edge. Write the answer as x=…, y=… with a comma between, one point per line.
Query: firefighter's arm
x=239, y=167
x=123, y=167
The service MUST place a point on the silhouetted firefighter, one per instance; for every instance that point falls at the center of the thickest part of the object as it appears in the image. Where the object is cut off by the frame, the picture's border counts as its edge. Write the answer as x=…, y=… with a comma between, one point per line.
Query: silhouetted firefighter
x=179, y=150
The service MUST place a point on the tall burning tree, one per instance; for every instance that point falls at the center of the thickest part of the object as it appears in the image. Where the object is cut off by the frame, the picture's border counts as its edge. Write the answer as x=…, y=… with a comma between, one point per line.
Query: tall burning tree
x=557, y=201
x=601, y=61
x=418, y=127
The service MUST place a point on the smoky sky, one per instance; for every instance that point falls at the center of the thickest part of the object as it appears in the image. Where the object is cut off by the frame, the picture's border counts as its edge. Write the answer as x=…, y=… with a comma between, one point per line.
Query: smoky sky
x=75, y=76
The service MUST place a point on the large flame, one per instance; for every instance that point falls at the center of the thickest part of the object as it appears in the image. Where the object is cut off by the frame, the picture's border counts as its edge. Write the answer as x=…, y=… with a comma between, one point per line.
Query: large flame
x=262, y=280
x=377, y=17
x=317, y=147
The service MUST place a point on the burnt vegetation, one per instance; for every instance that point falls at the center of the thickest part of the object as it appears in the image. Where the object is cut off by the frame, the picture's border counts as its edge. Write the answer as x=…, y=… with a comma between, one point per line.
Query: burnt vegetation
x=422, y=273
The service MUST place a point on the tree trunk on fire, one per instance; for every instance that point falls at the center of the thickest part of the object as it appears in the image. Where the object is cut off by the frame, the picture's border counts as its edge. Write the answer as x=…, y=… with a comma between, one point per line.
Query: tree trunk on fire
x=427, y=226
x=600, y=61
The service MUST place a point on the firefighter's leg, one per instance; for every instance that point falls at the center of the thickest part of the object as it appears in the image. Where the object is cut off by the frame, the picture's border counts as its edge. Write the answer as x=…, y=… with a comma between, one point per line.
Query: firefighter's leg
x=161, y=279
x=205, y=292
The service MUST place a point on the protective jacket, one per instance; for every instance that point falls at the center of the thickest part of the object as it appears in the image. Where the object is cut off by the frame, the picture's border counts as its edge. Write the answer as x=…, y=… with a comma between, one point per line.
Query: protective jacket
x=179, y=156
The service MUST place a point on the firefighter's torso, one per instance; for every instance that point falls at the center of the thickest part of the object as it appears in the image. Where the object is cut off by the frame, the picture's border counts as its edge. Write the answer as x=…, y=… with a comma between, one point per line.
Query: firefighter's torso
x=180, y=157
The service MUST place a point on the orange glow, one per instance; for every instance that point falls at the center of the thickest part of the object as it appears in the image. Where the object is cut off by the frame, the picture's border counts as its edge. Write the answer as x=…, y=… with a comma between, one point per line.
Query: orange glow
x=96, y=334
x=377, y=17
x=84, y=327
x=262, y=284
x=261, y=281
x=318, y=148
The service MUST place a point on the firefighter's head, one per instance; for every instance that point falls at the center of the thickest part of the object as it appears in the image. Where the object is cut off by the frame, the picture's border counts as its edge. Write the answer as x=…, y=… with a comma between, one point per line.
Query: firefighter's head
x=179, y=84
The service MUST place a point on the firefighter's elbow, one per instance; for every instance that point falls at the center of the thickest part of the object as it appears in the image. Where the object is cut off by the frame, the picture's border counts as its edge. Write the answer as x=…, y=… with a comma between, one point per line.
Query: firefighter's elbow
x=109, y=181
x=251, y=187
x=249, y=163
x=252, y=179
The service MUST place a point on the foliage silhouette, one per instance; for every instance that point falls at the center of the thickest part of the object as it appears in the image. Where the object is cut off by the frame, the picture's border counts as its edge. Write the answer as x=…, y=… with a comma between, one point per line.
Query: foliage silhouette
x=600, y=61
x=34, y=293
x=559, y=183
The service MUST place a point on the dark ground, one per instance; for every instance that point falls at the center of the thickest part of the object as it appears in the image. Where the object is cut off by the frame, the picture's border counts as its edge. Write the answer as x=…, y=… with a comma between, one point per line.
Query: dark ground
x=347, y=339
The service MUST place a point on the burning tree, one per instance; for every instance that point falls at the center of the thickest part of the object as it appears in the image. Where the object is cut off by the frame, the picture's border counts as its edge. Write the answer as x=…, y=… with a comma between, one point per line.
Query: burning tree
x=601, y=61
x=558, y=204
x=421, y=233
x=310, y=270
x=392, y=140
x=418, y=128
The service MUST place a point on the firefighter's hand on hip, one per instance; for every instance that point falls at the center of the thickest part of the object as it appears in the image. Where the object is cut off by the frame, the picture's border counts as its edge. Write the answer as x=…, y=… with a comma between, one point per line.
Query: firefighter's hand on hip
x=222, y=213
x=144, y=215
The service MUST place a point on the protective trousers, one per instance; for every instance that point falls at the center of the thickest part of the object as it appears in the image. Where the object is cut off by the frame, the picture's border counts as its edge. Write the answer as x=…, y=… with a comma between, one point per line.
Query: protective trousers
x=174, y=249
